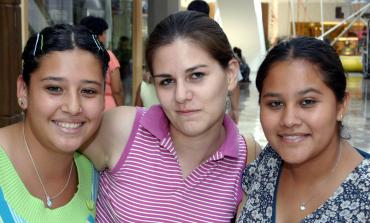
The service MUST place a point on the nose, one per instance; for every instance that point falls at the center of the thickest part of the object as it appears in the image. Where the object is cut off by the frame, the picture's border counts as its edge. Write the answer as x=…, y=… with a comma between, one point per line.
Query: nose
x=72, y=104
x=182, y=92
x=290, y=117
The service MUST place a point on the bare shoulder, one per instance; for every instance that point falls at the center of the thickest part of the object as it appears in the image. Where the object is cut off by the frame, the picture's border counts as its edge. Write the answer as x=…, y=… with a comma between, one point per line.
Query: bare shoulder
x=122, y=119
x=119, y=114
x=8, y=136
x=105, y=148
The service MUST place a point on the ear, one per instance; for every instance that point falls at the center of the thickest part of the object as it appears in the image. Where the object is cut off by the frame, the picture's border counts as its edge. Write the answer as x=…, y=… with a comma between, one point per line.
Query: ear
x=232, y=74
x=22, y=93
x=342, y=107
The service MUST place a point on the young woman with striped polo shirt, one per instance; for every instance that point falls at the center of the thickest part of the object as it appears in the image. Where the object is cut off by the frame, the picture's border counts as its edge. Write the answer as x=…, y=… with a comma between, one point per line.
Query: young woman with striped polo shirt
x=180, y=161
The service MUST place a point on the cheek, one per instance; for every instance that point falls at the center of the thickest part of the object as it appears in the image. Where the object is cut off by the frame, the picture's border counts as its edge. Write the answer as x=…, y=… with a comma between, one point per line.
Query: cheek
x=321, y=121
x=43, y=105
x=269, y=122
x=267, y=118
x=213, y=93
x=164, y=96
x=93, y=109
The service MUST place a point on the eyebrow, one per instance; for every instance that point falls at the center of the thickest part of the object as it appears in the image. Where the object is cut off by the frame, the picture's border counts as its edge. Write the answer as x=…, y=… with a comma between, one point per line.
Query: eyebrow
x=195, y=67
x=186, y=71
x=161, y=75
x=92, y=82
x=60, y=79
x=306, y=91
x=52, y=79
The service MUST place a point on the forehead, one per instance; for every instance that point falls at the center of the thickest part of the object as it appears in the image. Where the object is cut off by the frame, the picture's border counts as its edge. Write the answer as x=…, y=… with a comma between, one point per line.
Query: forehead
x=293, y=74
x=184, y=52
x=70, y=64
x=184, y=43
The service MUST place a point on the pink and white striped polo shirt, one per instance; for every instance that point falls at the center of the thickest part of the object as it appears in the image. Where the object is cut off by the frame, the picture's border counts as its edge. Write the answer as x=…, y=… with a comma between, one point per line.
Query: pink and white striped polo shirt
x=147, y=184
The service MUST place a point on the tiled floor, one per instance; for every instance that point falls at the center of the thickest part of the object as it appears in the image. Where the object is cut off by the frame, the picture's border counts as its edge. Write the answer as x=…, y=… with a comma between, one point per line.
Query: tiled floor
x=356, y=121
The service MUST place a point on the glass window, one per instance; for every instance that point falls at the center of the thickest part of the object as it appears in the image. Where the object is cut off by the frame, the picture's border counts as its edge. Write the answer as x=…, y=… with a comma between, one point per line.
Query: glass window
x=117, y=13
x=44, y=13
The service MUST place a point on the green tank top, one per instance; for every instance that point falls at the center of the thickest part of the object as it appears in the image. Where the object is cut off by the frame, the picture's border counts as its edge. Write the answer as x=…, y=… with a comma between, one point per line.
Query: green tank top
x=18, y=205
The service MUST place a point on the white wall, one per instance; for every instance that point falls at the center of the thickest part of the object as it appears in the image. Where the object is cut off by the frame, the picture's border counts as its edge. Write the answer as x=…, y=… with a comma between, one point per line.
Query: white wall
x=244, y=30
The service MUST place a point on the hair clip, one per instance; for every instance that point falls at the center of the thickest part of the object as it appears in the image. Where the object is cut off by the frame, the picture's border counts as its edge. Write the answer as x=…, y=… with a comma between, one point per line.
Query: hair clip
x=37, y=40
x=96, y=42
x=42, y=41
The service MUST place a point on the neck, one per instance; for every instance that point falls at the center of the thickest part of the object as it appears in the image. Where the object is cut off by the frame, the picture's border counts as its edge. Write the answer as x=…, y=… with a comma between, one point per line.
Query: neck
x=52, y=193
x=50, y=162
x=317, y=168
x=200, y=147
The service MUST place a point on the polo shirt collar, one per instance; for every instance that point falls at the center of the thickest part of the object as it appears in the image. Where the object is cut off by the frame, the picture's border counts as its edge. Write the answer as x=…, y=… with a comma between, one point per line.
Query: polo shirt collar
x=230, y=147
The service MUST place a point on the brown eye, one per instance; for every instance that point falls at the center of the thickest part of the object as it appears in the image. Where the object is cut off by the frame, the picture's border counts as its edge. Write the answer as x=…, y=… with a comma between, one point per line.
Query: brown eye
x=54, y=89
x=197, y=75
x=89, y=92
x=275, y=104
x=308, y=102
x=166, y=82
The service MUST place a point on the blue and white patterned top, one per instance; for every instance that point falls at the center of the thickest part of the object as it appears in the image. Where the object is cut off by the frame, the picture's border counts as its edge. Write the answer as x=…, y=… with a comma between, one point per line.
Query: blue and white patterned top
x=349, y=203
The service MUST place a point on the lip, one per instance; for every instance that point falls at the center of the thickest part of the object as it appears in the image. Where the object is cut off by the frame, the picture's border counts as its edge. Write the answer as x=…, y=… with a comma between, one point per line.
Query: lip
x=293, y=138
x=187, y=112
x=69, y=126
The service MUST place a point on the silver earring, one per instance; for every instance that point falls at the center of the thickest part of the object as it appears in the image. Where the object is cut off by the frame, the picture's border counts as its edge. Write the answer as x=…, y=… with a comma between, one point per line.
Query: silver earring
x=20, y=102
x=340, y=117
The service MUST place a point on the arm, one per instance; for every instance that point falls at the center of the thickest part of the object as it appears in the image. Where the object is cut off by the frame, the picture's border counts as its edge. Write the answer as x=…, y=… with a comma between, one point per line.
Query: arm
x=117, y=89
x=106, y=146
x=240, y=207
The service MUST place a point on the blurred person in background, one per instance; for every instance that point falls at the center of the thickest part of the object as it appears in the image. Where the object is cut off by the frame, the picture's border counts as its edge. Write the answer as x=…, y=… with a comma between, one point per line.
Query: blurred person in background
x=146, y=95
x=124, y=55
x=114, y=93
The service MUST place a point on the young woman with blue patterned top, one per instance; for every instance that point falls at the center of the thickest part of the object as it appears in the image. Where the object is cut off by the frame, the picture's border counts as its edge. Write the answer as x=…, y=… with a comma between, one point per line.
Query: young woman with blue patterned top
x=308, y=172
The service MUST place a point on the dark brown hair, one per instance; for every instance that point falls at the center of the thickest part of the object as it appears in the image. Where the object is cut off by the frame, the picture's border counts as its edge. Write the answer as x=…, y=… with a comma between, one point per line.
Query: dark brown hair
x=60, y=37
x=194, y=26
x=316, y=52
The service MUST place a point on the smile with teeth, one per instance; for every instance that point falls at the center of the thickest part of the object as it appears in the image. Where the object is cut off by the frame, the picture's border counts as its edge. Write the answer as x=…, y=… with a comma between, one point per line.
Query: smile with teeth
x=69, y=125
x=293, y=138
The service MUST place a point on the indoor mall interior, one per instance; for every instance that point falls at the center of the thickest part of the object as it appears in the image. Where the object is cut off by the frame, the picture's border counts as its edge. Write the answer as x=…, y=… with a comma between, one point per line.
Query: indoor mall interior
x=254, y=26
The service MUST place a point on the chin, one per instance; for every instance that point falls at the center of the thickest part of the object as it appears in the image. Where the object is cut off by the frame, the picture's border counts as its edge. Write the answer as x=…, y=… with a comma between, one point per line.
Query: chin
x=69, y=147
x=192, y=130
x=293, y=158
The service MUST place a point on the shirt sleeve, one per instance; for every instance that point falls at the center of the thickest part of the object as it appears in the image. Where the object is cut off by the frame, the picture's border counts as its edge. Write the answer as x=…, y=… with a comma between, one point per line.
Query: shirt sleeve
x=113, y=61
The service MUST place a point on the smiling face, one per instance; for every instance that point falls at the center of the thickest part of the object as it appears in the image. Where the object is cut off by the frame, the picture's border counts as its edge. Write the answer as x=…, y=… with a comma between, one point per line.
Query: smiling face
x=64, y=100
x=299, y=113
x=191, y=87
